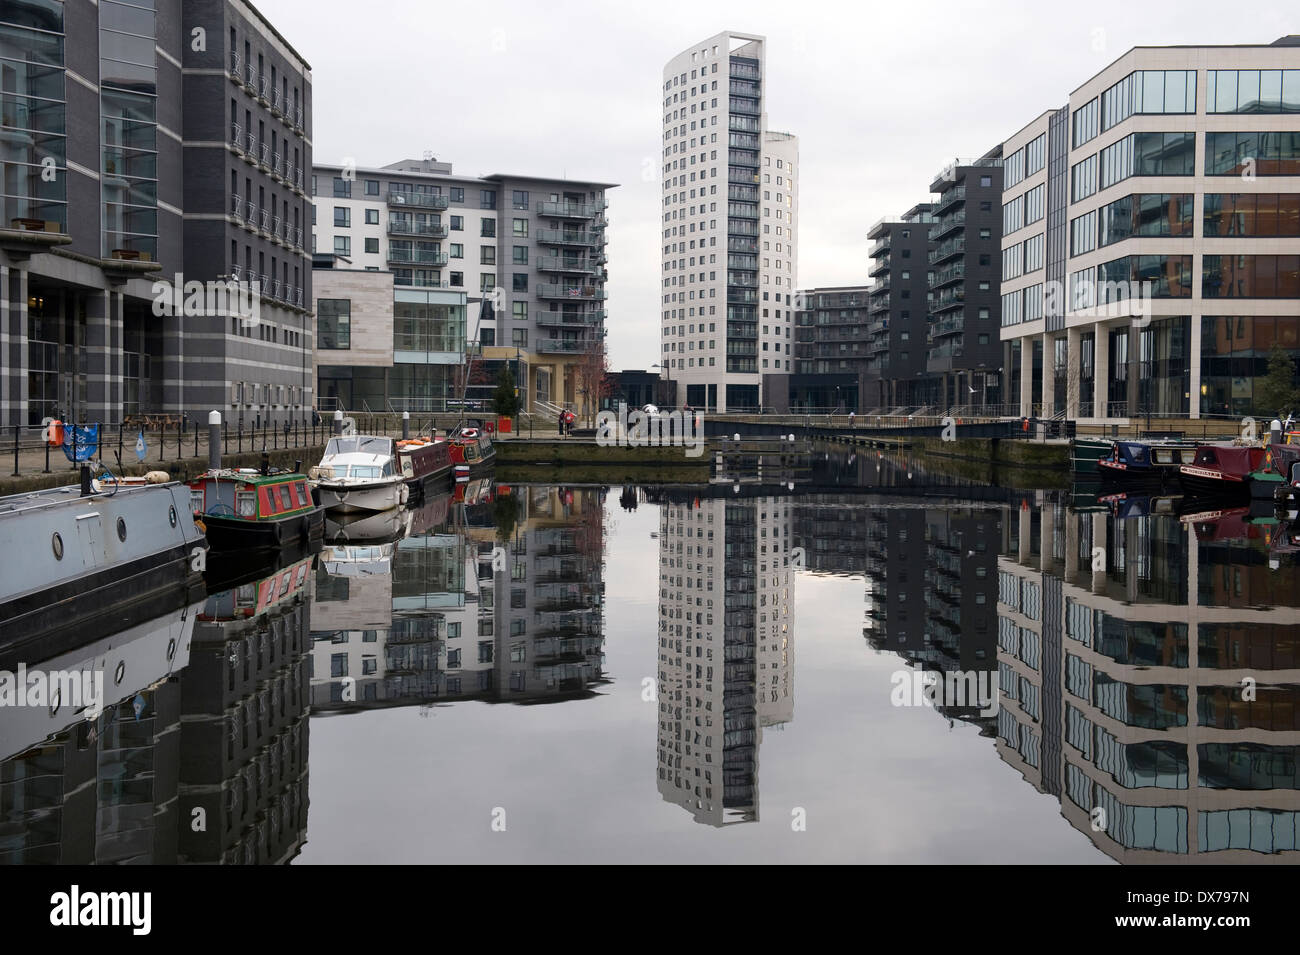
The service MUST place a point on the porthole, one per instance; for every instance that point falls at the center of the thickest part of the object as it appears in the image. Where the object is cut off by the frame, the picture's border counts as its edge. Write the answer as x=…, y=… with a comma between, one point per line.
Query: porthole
x=171, y=515
x=57, y=543
x=121, y=529
x=119, y=673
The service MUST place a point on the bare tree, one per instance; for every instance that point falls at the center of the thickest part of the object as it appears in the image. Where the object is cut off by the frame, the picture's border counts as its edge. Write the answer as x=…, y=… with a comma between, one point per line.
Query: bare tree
x=591, y=374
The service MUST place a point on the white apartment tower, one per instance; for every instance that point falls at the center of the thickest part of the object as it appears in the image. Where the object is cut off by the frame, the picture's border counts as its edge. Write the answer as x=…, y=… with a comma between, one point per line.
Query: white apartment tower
x=730, y=216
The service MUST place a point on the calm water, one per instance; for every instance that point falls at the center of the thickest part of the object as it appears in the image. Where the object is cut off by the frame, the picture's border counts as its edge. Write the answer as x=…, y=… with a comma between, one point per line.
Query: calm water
x=633, y=674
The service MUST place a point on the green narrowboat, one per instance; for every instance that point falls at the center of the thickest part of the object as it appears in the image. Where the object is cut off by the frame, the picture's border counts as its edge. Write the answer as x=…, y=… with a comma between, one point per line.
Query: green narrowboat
x=251, y=509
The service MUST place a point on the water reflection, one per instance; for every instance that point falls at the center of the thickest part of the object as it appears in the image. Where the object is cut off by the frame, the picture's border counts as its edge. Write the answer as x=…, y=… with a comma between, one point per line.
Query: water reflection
x=1149, y=669
x=499, y=599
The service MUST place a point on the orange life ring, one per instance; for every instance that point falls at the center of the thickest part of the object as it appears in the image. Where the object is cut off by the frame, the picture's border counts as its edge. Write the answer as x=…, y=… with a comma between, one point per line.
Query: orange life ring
x=55, y=434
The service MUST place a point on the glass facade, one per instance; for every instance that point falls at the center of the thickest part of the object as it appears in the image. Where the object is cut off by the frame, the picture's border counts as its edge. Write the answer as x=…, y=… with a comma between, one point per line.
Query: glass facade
x=1149, y=91
x=1250, y=276
x=1252, y=214
x=129, y=130
x=1252, y=153
x=33, y=146
x=424, y=322
x=1252, y=91
x=1234, y=360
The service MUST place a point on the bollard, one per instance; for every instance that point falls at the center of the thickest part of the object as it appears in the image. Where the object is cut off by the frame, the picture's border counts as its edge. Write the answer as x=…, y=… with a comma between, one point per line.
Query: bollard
x=406, y=425
x=17, y=430
x=47, y=455
x=162, y=441
x=338, y=422
x=214, y=440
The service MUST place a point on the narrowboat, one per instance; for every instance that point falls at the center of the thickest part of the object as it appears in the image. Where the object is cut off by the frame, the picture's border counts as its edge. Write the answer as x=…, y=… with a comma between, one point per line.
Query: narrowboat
x=1221, y=470
x=360, y=473
x=423, y=461
x=252, y=509
x=472, y=447
x=76, y=556
x=1086, y=452
x=1124, y=506
x=1134, y=462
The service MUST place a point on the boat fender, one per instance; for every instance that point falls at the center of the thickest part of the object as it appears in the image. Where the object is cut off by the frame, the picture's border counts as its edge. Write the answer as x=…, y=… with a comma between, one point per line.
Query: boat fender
x=404, y=494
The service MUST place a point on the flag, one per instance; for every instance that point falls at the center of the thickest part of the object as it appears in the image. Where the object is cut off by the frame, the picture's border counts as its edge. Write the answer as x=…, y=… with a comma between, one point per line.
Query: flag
x=141, y=449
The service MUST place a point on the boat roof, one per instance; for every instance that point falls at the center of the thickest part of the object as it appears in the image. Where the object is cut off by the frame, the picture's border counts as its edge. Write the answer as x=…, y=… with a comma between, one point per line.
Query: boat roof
x=27, y=500
x=250, y=476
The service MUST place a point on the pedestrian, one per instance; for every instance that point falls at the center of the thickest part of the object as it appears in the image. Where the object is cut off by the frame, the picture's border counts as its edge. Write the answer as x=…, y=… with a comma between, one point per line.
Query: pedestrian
x=559, y=421
x=852, y=417
x=315, y=416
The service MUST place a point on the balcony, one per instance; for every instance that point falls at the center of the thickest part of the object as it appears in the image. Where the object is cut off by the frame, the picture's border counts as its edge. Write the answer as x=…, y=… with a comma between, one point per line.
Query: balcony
x=568, y=237
x=429, y=230
x=743, y=175
x=235, y=71
x=416, y=257
x=878, y=326
x=948, y=325
x=879, y=303
x=948, y=200
x=564, y=346
x=571, y=209
x=569, y=318
x=948, y=274
x=948, y=249
x=571, y=292
x=237, y=207
x=410, y=281
x=549, y=263
x=418, y=200
x=948, y=225
x=948, y=298
x=742, y=71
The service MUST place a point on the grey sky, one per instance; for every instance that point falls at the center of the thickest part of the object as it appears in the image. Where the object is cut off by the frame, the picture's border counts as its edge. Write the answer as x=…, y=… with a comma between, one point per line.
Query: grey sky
x=882, y=96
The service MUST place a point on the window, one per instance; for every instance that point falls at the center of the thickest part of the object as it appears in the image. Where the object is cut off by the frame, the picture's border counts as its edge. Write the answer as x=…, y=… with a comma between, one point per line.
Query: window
x=487, y=199
x=487, y=228
x=487, y=255
x=519, y=199
x=1147, y=154
x=487, y=281
x=372, y=246
x=519, y=336
x=1083, y=178
x=372, y=216
x=1252, y=214
x=342, y=217
x=457, y=223
x=457, y=194
x=519, y=311
x=457, y=250
x=342, y=245
x=457, y=280
x=1086, y=119
x=520, y=228
x=1264, y=153
x=342, y=188
x=1149, y=91
x=1252, y=91
x=519, y=281
x=519, y=254
x=333, y=323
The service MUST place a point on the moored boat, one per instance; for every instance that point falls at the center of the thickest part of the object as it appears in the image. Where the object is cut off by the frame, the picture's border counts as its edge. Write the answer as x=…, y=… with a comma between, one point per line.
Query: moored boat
x=423, y=461
x=471, y=446
x=77, y=555
x=1221, y=470
x=360, y=473
x=1149, y=462
x=248, y=508
x=1086, y=452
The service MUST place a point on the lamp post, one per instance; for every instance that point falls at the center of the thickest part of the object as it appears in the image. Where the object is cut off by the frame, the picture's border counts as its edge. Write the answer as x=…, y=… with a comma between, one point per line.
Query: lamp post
x=669, y=370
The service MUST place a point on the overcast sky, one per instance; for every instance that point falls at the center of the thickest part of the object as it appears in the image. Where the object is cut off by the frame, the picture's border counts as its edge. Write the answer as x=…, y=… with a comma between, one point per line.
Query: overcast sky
x=881, y=96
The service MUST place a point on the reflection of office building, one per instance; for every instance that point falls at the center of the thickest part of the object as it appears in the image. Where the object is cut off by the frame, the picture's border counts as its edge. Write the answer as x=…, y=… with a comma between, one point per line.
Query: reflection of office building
x=94, y=791
x=930, y=587
x=1122, y=676
x=243, y=733
x=465, y=620
x=726, y=654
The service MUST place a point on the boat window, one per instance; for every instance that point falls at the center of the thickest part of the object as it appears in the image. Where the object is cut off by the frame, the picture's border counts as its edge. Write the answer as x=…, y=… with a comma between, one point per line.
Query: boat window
x=196, y=501
x=363, y=471
x=341, y=446
x=245, y=504
x=286, y=497
x=302, y=493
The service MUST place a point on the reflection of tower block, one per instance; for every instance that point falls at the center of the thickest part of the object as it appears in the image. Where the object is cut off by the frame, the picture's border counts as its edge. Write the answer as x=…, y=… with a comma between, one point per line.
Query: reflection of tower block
x=243, y=793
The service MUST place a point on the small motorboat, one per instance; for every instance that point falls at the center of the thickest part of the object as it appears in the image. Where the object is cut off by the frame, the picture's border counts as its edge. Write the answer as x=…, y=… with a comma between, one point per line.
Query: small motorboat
x=360, y=473
x=252, y=508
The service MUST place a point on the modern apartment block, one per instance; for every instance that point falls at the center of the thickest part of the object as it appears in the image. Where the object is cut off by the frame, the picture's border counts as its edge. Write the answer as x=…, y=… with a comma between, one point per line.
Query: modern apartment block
x=831, y=349
x=1151, y=237
x=726, y=649
x=964, y=360
x=447, y=241
x=730, y=222
x=898, y=310
x=144, y=145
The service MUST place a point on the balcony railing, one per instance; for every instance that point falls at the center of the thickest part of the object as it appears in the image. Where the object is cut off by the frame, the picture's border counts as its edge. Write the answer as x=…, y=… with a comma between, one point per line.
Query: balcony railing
x=590, y=292
x=399, y=226
x=948, y=325
x=564, y=237
x=416, y=257
x=562, y=346
x=234, y=66
x=548, y=263
x=576, y=210
x=569, y=318
x=397, y=197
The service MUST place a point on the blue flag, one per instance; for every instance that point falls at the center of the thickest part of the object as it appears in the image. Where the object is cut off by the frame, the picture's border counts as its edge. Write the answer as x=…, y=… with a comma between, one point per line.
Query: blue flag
x=141, y=449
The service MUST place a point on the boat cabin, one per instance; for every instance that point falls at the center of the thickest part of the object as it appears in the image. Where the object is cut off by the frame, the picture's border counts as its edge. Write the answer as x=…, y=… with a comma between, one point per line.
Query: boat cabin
x=247, y=493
